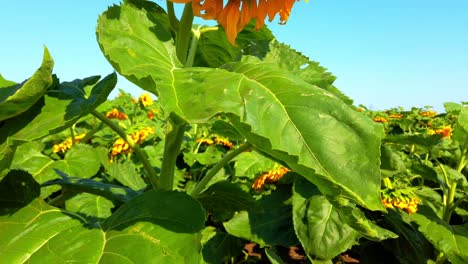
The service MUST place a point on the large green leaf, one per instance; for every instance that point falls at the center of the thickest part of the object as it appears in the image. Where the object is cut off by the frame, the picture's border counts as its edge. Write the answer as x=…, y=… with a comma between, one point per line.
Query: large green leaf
x=313, y=127
x=269, y=223
x=300, y=65
x=224, y=198
x=80, y=161
x=16, y=99
x=53, y=113
x=449, y=239
x=89, y=205
x=319, y=227
x=136, y=233
x=57, y=110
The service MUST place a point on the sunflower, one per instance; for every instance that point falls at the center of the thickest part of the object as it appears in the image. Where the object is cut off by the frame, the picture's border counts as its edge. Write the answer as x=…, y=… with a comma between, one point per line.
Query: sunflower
x=236, y=14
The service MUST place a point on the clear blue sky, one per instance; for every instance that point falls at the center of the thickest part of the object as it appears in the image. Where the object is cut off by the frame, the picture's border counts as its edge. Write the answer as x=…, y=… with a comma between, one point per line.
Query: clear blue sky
x=385, y=53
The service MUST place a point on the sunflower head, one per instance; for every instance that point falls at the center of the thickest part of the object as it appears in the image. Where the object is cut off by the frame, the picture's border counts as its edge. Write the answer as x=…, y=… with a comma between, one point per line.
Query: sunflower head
x=236, y=14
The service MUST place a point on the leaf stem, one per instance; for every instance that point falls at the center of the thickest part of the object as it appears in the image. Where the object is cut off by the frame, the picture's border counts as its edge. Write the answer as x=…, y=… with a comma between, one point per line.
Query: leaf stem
x=141, y=155
x=172, y=144
x=212, y=172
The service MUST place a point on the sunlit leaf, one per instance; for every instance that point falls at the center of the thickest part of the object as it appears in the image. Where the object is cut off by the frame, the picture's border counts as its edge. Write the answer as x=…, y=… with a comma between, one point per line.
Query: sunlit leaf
x=38, y=233
x=449, y=239
x=16, y=99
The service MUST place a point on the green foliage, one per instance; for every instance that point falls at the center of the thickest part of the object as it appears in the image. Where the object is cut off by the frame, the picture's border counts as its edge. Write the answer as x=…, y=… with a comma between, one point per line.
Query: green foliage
x=17, y=98
x=269, y=223
x=168, y=235
x=450, y=239
x=272, y=154
x=318, y=225
x=255, y=92
x=223, y=199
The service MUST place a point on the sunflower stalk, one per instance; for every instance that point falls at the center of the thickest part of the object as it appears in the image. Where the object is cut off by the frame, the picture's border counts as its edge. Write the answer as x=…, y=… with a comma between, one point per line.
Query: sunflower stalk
x=172, y=144
x=150, y=173
x=212, y=172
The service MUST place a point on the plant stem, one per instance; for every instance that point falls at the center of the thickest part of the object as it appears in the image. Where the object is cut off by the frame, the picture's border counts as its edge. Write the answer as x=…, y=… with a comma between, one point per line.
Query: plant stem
x=450, y=205
x=193, y=47
x=141, y=155
x=462, y=161
x=172, y=144
x=184, y=33
x=72, y=135
x=173, y=21
x=448, y=208
x=212, y=172
x=194, y=43
x=91, y=133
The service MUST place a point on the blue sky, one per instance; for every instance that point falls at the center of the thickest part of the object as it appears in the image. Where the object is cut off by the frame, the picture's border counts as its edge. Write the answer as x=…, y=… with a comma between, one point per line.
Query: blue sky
x=385, y=53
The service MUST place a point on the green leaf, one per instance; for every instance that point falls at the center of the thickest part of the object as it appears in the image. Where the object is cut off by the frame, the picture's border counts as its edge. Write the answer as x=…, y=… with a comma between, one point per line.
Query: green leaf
x=301, y=66
x=89, y=205
x=449, y=239
x=126, y=173
x=136, y=233
x=310, y=124
x=7, y=153
x=269, y=224
x=211, y=155
x=16, y=99
x=136, y=33
x=391, y=160
x=5, y=83
x=410, y=246
x=115, y=193
x=224, y=198
x=39, y=233
x=273, y=256
x=432, y=199
x=214, y=49
x=424, y=141
x=80, y=161
x=54, y=112
x=225, y=129
x=252, y=163
x=188, y=214
x=460, y=132
x=17, y=189
x=318, y=224
x=59, y=110
x=219, y=247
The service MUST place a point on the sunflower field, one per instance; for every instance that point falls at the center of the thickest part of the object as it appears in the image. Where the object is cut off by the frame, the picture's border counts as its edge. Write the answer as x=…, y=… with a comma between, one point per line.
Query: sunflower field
x=240, y=150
